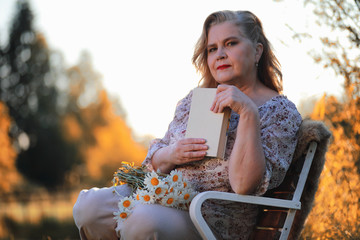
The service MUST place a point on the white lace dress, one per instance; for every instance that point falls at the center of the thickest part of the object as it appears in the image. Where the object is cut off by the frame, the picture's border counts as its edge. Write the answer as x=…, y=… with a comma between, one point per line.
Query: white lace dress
x=279, y=122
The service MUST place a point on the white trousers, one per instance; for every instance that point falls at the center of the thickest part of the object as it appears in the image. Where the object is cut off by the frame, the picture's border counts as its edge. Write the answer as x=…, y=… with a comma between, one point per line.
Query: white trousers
x=93, y=215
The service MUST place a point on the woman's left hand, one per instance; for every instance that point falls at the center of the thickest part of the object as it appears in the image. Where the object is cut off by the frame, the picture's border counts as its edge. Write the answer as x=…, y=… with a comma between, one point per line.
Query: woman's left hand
x=232, y=97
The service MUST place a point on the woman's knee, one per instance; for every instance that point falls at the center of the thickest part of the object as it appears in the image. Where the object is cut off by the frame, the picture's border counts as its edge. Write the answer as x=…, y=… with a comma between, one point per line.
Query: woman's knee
x=93, y=213
x=96, y=206
x=83, y=210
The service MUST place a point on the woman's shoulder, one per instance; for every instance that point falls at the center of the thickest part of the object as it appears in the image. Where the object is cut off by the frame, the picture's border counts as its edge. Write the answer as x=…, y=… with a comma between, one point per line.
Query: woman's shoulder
x=278, y=101
x=183, y=106
x=185, y=100
x=277, y=108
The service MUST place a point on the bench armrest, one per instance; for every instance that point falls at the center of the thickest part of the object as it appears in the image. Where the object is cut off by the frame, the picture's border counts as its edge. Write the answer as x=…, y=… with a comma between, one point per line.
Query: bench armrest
x=202, y=226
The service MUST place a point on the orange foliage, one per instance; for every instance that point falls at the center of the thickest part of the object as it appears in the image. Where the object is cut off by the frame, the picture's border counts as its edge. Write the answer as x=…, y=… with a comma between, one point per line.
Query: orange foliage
x=319, y=109
x=336, y=214
x=114, y=144
x=72, y=128
x=113, y=139
x=8, y=172
x=103, y=138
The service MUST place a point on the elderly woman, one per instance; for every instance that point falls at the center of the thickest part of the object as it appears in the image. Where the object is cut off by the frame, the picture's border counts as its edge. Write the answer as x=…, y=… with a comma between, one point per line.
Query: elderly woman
x=234, y=56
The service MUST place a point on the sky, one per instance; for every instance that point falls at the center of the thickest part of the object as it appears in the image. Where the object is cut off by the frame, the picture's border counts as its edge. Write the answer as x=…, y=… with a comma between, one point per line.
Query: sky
x=143, y=48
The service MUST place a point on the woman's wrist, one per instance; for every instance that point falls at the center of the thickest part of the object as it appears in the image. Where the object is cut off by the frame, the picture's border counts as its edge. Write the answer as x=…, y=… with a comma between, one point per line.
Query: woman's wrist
x=166, y=167
x=161, y=160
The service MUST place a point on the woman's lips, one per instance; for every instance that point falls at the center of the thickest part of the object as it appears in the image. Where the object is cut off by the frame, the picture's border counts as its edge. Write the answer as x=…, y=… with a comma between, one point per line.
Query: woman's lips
x=222, y=67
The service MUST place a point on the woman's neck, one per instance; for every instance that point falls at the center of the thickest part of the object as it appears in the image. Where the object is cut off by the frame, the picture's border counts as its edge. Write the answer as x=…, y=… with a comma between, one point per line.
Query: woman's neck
x=258, y=92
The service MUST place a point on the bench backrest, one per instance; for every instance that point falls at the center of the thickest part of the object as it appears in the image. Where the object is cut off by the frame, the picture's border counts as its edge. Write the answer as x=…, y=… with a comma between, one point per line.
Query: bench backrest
x=270, y=219
x=300, y=182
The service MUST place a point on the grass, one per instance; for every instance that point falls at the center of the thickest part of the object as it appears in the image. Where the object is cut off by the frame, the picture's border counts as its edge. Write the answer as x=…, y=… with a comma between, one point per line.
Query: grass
x=46, y=229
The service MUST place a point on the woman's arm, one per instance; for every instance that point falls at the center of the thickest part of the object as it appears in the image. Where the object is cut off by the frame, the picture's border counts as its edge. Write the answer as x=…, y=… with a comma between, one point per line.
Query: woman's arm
x=247, y=161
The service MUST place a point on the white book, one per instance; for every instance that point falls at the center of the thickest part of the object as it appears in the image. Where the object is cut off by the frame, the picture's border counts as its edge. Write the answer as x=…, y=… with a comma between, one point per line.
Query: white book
x=203, y=123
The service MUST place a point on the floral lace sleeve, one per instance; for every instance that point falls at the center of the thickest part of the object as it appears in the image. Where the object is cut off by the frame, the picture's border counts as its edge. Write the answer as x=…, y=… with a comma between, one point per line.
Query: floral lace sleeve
x=279, y=127
x=176, y=130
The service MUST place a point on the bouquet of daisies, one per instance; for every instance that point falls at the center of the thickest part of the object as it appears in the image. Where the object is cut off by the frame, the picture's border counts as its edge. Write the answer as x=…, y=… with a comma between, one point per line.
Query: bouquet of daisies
x=170, y=190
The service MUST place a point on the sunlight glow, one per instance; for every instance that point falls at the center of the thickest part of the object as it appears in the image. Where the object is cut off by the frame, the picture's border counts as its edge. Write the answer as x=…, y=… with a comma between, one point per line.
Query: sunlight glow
x=143, y=49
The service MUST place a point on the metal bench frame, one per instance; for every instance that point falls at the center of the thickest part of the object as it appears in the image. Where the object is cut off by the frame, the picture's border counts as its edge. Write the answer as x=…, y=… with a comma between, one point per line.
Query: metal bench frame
x=291, y=205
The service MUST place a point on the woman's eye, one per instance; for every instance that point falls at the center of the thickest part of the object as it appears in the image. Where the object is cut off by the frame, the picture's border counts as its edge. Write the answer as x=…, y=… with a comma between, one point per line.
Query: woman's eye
x=211, y=49
x=231, y=44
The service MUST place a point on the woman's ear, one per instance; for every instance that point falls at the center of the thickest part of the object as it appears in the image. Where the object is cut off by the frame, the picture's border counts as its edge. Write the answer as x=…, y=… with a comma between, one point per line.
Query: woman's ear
x=258, y=51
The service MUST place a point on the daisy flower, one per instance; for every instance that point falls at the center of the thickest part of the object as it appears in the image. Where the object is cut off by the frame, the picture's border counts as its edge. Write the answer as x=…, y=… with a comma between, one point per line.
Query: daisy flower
x=185, y=184
x=153, y=188
x=126, y=203
x=170, y=189
x=145, y=197
x=187, y=195
x=152, y=180
x=122, y=215
x=170, y=200
x=175, y=177
x=160, y=191
x=137, y=195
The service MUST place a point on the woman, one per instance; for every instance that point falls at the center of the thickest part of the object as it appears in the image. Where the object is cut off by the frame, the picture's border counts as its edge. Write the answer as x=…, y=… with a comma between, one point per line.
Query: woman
x=234, y=56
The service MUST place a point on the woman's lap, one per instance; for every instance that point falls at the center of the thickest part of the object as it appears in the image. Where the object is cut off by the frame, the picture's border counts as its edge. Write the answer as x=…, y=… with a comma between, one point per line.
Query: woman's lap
x=93, y=215
x=153, y=221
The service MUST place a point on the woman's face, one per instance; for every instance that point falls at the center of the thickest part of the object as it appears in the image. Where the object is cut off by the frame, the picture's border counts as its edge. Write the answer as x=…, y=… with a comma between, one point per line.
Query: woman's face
x=231, y=55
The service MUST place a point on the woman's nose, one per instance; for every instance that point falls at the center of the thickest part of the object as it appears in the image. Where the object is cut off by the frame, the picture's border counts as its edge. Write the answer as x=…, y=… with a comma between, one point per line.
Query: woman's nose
x=221, y=54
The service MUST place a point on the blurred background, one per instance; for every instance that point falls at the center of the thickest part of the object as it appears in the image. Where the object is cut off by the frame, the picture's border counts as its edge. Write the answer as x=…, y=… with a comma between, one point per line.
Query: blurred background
x=85, y=85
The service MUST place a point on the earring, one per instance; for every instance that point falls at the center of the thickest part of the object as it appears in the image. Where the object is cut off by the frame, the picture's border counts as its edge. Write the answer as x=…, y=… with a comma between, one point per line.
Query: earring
x=256, y=64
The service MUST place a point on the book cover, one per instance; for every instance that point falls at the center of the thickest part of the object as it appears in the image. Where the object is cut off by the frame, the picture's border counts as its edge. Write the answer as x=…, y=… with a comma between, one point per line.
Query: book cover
x=203, y=123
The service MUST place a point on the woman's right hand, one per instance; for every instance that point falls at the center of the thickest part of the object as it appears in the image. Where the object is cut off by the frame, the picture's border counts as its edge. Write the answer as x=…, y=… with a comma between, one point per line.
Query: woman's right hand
x=188, y=150
x=183, y=151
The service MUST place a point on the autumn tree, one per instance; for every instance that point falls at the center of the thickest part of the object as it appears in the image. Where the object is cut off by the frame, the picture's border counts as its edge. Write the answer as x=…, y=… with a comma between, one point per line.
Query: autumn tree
x=8, y=172
x=27, y=88
x=336, y=214
x=114, y=145
x=96, y=124
x=66, y=127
